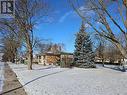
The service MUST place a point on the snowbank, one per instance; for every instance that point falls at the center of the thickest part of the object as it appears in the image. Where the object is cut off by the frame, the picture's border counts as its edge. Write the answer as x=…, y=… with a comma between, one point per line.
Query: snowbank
x=1, y=75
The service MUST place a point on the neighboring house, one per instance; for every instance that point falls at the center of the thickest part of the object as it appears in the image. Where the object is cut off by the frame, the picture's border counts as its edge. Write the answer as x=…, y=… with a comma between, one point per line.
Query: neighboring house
x=50, y=58
x=1, y=55
x=66, y=57
x=107, y=60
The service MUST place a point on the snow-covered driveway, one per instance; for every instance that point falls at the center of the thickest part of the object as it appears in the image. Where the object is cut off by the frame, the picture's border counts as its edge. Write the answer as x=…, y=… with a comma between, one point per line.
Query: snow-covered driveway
x=56, y=81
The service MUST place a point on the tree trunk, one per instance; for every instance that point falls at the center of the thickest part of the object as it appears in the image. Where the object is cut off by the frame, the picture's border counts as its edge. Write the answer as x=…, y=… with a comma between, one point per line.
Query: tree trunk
x=30, y=58
x=103, y=62
x=122, y=50
x=30, y=53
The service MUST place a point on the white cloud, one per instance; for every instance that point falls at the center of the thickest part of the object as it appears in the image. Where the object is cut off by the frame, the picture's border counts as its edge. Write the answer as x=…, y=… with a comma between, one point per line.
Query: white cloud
x=87, y=25
x=65, y=16
x=82, y=8
x=86, y=11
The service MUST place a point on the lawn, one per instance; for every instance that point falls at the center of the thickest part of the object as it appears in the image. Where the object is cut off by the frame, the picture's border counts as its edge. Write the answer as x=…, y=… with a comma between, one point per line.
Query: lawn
x=51, y=80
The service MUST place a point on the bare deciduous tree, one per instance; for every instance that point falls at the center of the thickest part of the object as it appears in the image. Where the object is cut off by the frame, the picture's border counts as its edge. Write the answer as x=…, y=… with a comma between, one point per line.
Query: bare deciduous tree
x=100, y=51
x=105, y=19
x=10, y=45
x=49, y=47
x=27, y=14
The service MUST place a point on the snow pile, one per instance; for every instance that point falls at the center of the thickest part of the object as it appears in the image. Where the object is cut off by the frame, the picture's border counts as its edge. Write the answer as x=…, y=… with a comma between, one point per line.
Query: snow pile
x=51, y=80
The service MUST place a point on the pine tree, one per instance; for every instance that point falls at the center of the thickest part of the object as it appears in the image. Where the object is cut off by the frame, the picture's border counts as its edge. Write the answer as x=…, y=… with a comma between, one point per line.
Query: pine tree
x=83, y=54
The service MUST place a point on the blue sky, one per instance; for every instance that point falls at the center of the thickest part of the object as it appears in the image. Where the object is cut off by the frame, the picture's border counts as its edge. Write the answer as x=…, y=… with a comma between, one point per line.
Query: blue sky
x=64, y=23
x=64, y=26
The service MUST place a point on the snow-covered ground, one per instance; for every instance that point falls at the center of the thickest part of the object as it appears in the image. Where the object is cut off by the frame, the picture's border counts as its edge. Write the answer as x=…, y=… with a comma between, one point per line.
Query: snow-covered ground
x=1, y=75
x=51, y=80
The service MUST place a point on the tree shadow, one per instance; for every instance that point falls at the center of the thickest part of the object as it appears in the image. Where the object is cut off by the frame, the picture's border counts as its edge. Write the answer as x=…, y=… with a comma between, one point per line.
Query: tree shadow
x=19, y=68
x=31, y=82
x=45, y=68
x=117, y=68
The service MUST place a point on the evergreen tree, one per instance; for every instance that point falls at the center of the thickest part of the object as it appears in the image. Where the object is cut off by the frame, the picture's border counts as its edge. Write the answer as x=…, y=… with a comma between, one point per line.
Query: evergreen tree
x=83, y=54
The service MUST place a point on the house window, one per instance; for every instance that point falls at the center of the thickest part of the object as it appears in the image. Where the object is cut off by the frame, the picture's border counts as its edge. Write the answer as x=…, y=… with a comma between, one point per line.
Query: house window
x=39, y=57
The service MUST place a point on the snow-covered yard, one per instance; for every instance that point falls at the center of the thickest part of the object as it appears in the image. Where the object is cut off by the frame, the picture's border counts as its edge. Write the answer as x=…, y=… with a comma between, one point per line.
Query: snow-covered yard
x=50, y=80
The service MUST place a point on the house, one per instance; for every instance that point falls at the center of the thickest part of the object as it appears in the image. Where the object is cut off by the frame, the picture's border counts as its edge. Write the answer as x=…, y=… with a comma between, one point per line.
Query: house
x=53, y=55
x=50, y=58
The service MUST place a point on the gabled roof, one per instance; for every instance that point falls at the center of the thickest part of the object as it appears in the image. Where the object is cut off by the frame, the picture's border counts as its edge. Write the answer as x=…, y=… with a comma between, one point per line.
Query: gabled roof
x=60, y=53
x=66, y=53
